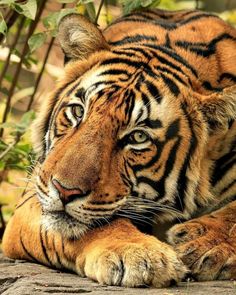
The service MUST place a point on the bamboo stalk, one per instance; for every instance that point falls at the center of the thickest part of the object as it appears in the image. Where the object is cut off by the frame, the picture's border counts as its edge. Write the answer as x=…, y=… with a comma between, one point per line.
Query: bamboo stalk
x=197, y=4
x=10, y=20
x=42, y=69
x=99, y=11
x=40, y=74
x=12, y=46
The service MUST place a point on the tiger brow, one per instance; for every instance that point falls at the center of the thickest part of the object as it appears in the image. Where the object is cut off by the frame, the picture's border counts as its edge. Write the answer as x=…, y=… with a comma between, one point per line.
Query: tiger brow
x=80, y=93
x=153, y=124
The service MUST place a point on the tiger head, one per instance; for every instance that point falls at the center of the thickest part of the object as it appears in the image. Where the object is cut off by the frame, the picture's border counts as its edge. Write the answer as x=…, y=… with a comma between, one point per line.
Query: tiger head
x=115, y=139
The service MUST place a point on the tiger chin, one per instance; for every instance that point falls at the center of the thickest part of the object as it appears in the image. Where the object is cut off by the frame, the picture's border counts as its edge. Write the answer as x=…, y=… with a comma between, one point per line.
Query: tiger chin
x=140, y=130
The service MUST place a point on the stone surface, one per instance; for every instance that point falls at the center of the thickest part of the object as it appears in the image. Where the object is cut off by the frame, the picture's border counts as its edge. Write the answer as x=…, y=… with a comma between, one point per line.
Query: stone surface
x=24, y=278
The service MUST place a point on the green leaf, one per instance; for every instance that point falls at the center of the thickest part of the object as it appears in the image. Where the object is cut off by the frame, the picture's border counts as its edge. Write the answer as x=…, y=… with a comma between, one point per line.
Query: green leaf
x=26, y=148
x=36, y=41
x=146, y=3
x=91, y=11
x=2, y=165
x=153, y=4
x=50, y=21
x=8, y=125
x=29, y=9
x=3, y=27
x=4, y=90
x=130, y=5
x=26, y=120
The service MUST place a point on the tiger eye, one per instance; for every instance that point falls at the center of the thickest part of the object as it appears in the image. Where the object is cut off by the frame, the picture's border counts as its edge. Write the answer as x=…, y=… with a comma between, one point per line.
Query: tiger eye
x=139, y=137
x=78, y=111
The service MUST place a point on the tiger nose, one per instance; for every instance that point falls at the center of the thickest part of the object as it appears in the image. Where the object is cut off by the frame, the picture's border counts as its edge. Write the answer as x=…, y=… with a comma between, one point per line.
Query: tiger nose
x=68, y=195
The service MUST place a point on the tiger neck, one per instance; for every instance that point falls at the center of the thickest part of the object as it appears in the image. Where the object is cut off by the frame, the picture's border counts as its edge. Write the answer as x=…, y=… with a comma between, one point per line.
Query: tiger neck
x=218, y=168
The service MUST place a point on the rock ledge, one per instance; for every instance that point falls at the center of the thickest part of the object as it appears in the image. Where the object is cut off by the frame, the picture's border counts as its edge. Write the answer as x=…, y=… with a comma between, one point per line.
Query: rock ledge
x=24, y=278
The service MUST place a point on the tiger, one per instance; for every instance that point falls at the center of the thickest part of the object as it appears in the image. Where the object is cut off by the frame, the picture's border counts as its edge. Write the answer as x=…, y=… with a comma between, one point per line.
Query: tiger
x=140, y=131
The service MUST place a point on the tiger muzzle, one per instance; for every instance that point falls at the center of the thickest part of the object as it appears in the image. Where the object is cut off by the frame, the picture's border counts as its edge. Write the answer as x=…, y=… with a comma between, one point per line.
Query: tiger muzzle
x=68, y=195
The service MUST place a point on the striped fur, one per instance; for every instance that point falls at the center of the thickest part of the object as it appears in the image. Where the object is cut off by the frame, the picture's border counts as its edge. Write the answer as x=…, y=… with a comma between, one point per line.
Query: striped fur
x=141, y=126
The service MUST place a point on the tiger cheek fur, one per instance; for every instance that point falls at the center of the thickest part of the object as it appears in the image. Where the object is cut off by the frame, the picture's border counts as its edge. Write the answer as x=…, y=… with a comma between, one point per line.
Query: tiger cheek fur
x=140, y=129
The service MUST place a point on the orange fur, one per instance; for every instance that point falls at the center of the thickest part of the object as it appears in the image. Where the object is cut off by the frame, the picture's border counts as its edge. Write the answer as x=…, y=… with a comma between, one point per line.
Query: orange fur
x=155, y=141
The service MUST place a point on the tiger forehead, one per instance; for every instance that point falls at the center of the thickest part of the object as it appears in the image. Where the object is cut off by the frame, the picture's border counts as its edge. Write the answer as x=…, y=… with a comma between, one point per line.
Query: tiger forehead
x=106, y=90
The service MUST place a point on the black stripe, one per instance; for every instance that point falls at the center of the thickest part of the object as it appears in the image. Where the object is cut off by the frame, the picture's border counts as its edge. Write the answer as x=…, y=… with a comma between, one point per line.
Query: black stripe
x=209, y=48
x=129, y=97
x=144, y=52
x=167, y=14
x=176, y=76
x=139, y=116
x=125, y=180
x=57, y=255
x=173, y=130
x=168, y=63
x=154, y=124
x=167, y=41
x=41, y=188
x=48, y=120
x=173, y=87
x=63, y=251
x=153, y=91
x=127, y=174
x=26, y=200
x=27, y=252
x=43, y=246
x=159, y=23
x=167, y=25
x=229, y=186
x=227, y=76
x=134, y=64
x=133, y=39
x=207, y=85
x=159, y=185
x=41, y=179
x=172, y=54
x=80, y=93
x=221, y=168
x=114, y=72
x=182, y=181
x=117, y=72
x=171, y=133
x=197, y=17
x=129, y=54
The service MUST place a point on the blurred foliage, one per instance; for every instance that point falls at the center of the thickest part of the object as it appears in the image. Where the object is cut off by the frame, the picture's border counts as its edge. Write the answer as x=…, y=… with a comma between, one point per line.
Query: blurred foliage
x=25, y=22
x=16, y=154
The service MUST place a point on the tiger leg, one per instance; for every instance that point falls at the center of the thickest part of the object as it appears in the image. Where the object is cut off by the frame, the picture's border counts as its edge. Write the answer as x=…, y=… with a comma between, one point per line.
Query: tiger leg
x=207, y=245
x=116, y=254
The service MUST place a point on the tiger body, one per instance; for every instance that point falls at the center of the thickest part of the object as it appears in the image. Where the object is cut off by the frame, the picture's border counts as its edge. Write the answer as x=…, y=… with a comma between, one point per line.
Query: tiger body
x=145, y=114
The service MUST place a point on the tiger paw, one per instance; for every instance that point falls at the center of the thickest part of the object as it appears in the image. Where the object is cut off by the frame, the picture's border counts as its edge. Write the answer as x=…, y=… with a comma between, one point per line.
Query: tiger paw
x=207, y=246
x=149, y=263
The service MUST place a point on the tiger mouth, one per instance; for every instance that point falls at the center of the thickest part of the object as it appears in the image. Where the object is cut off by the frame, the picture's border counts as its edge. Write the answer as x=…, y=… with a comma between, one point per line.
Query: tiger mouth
x=70, y=226
x=64, y=216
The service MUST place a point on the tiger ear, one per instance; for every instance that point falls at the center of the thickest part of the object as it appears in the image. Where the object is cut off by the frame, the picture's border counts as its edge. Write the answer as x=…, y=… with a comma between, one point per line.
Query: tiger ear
x=219, y=109
x=79, y=37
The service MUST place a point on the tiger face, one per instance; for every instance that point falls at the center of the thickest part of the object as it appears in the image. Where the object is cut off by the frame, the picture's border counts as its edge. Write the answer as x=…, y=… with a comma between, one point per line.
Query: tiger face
x=115, y=139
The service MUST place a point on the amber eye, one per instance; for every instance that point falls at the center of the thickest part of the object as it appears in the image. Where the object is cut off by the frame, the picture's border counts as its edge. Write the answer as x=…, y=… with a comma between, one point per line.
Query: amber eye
x=138, y=137
x=78, y=111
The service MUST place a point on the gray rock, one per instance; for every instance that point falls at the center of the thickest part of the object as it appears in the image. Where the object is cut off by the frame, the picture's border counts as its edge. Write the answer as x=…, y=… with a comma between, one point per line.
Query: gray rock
x=19, y=277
